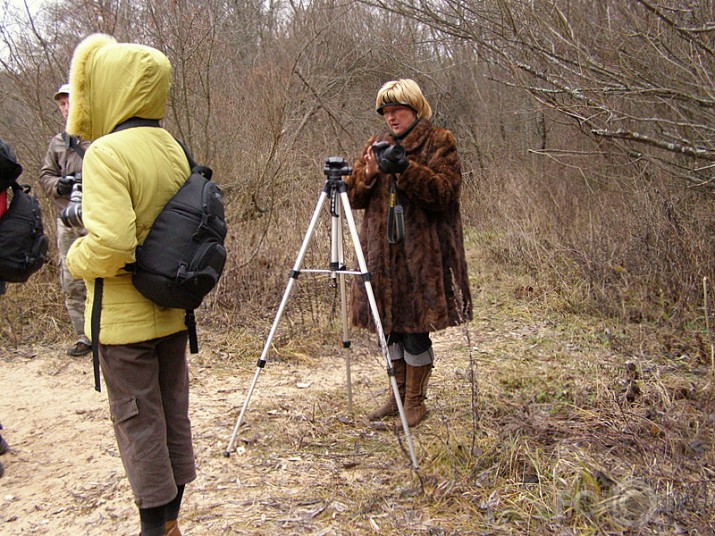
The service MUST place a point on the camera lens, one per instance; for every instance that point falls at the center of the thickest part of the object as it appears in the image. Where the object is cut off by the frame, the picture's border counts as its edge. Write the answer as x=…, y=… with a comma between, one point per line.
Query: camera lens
x=390, y=158
x=71, y=215
x=394, y=153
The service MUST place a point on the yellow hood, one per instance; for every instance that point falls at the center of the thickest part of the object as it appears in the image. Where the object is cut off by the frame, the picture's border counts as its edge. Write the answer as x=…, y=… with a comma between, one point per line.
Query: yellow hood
x=125, y=80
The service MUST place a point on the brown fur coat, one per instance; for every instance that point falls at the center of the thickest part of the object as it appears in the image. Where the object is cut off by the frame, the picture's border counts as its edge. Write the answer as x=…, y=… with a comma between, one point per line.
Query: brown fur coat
x=420, y=285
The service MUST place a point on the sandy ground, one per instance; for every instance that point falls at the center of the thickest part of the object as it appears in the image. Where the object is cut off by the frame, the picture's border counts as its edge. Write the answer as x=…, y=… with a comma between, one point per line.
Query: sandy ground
x=302, y=464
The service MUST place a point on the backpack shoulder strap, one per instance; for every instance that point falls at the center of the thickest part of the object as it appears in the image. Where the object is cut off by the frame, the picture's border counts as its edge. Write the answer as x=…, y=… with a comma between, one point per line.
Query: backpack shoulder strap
x=137, y=122
x=204, y=171
x=141, y=122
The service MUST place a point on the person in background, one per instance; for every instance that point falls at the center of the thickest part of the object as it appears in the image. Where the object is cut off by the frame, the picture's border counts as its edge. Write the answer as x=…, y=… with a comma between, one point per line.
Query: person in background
x=129, y=174
x=4, y=447
x=407, y=180
x=61, y=169
x=9, y=171
x=3, y=208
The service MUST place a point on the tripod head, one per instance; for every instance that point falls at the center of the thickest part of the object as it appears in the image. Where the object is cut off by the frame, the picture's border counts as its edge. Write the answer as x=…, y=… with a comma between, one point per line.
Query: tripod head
x=336, y=167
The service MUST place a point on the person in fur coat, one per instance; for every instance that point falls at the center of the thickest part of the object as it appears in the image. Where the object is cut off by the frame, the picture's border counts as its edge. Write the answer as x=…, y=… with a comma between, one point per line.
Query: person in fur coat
x=407, y=181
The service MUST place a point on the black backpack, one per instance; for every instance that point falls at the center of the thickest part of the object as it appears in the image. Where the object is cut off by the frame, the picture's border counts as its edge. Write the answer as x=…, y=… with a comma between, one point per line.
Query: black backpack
x=183, y=255
x=23, y=243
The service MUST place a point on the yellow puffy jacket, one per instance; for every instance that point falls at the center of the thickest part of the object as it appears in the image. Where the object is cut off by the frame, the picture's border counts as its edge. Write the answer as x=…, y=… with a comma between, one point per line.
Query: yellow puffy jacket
x=127, y=178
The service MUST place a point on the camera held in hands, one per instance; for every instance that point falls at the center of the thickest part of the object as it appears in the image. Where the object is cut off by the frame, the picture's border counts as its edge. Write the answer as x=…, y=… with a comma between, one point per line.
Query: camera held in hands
x=390, y=158
x=71, y=215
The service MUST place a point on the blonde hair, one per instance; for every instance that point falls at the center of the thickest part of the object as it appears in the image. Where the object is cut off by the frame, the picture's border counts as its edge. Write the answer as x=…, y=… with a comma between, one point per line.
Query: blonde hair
x=405, y=92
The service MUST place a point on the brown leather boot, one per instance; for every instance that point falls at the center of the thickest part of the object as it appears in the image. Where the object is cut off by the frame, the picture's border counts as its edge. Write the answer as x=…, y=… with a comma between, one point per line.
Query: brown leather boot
x=415, y=394
x=171, y=528
x=390, y=407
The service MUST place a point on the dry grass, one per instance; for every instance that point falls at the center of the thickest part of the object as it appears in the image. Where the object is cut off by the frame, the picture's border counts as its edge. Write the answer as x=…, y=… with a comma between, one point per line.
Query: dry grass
x=542, y=422
x=536, y=428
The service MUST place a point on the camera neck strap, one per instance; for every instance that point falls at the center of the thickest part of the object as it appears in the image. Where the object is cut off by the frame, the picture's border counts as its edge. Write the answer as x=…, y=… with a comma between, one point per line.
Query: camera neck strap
x=72, y=142
x=395, y=216
x=399, y=138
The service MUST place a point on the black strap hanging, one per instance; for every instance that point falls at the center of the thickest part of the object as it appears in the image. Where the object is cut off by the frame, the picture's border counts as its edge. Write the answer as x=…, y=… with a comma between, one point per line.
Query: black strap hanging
x=396, y=214
x=190, y=321
x=395, y=217
x=72, y=142
x=96, y=315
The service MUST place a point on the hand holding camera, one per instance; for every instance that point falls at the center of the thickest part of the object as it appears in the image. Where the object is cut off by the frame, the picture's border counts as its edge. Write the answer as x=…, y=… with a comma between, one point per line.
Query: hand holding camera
x=64, y=185
x=390, y=158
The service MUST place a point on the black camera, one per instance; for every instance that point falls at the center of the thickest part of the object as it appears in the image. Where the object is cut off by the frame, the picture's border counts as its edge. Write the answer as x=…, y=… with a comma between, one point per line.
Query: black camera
x=71, y=215
x=336, y=167
x=390, y=158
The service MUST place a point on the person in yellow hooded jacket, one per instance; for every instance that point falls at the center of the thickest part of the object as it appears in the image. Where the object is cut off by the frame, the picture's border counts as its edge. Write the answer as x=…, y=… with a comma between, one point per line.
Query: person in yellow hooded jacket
x=128, y=176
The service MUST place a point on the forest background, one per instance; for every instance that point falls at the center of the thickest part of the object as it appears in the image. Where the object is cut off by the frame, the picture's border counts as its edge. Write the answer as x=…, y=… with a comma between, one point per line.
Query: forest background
x=586, y=131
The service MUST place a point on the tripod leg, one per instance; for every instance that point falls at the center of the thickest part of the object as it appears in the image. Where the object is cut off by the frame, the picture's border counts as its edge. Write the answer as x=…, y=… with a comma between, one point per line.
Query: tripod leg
x=295, y=272
x=346, y=341
x=231, y=442
x=338, y=264
x=376, y=318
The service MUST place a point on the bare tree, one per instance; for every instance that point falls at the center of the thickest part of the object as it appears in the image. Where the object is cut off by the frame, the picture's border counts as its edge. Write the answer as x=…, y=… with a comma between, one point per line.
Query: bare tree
x=263, y=91
x=635, y=75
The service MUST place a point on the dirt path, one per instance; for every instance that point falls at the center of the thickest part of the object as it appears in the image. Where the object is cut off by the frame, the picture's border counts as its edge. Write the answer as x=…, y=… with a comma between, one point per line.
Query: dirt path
x=552, y=426
x=304, y=465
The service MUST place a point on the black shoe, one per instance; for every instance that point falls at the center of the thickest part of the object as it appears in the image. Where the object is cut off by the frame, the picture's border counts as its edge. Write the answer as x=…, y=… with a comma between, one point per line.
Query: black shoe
x=2, y=470
x=79, y=348
x=4, y=447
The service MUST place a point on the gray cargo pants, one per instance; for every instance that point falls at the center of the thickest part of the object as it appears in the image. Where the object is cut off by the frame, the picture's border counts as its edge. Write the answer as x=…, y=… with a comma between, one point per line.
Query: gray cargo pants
x=73, y=289
x=148, y=388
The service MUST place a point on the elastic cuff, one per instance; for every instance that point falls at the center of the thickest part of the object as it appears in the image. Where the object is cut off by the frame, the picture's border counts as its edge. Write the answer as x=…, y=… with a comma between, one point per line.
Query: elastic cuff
x=396, y=351
x=420, y=360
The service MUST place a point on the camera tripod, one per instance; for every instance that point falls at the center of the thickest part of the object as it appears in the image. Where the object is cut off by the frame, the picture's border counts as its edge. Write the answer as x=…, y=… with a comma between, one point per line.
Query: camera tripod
x=335, y=189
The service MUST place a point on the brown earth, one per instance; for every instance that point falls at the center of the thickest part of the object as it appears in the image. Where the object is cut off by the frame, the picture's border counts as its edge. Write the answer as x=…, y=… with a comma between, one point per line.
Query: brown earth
x=541, y=423
x=302, y=464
